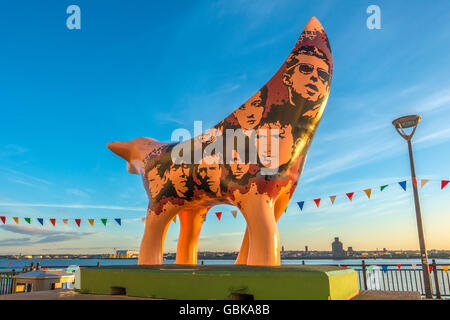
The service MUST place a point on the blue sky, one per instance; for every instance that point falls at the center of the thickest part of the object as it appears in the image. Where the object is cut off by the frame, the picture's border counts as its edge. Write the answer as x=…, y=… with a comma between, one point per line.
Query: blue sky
x=141, y=68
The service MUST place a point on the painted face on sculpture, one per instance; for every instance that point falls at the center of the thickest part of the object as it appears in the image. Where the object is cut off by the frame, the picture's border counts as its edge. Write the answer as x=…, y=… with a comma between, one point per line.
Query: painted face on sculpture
x=211, y=135
x=270, y=152
x=155, y=182
x=309, y=77
x=209, y=172
x=238, y=167
x=179, y=176
x=250, y=113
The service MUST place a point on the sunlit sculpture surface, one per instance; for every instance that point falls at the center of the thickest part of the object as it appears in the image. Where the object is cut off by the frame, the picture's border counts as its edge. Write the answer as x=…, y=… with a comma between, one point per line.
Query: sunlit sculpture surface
x=278, y=123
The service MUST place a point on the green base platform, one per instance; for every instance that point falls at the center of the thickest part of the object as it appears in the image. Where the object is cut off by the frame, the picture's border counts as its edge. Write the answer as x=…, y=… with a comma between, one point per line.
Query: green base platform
x=220, y=282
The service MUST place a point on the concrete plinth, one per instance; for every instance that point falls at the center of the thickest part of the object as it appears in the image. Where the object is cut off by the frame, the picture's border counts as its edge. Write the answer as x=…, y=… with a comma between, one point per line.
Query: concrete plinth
x=220, y=282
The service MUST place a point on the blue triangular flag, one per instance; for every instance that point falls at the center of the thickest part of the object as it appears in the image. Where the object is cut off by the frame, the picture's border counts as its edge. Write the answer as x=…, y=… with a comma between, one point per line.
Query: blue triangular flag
x=403, y=184
x=300, y=204
x=41, y=221
x=119, y=221
x=384, y=268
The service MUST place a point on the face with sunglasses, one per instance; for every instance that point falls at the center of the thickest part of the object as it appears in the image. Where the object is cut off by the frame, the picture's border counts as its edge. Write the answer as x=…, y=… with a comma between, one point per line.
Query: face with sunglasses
x=309, y=77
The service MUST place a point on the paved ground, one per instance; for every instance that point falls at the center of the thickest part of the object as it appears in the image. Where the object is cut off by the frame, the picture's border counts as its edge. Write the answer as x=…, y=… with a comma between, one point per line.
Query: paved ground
x=387, y=295
x=65, y=294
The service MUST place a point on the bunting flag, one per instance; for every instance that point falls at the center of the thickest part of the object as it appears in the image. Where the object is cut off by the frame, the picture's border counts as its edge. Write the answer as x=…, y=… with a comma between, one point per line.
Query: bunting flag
x=317, y=201
x=368, y=192
x=119, y=221
x=28, y=220
x=399, y=266
x=285, y=210
x=332, y=198
x=78, y=221
x=91, y=222
x=383, y=187
x=3, y=219
x=105, y=220
x=445, y=269
x=53, y=221
x=343, y=266
x=175, y=219
x=300, y=204
x=41, y=221
x=430, y=267
x=66, y=221
x=143, y=221
x=384, y=268
x=423, y=182
x=370, y=268
x=350, y=195
x=403, y=184
x=218, y=214
x=414, y=181
x=234, y=213
x=414, y=266
x=444, y=183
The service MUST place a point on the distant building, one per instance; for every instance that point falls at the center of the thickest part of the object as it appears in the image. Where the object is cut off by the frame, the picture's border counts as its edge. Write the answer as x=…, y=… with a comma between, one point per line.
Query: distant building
x=337, y=248
x=126, y=254
x=350, y=251
x=282, y=248
x=306, y=249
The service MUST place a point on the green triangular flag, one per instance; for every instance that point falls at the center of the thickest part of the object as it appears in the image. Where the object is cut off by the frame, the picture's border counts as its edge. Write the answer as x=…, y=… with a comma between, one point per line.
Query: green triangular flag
x=104, y=221
x=382, y=187
x=28, y=220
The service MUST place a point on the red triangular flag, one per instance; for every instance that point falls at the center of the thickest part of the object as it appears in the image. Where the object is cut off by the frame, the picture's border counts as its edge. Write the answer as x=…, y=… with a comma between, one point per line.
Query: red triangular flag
x=3, y=219
x=399, y=266
x=53, y=221
x=414, y=181
x=430, y=267
x=344, y=266
x=218, y=214
x=78, y=221
x=444, y=183
x=350, y=195
x=317, y=201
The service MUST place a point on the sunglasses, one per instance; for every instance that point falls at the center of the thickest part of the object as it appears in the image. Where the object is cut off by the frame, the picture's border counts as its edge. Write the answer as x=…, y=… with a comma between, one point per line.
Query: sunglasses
x=307, y=68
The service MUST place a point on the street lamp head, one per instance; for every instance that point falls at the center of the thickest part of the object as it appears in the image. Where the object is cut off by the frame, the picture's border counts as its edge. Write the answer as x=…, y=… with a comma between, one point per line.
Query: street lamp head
x=406, y=122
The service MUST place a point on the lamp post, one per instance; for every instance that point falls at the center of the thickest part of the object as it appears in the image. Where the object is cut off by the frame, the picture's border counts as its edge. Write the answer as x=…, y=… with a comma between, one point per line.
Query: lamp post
x=400, y=124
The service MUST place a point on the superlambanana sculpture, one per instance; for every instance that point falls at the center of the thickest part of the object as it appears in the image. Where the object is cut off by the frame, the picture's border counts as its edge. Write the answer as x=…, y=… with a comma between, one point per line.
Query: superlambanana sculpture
x=252, y=159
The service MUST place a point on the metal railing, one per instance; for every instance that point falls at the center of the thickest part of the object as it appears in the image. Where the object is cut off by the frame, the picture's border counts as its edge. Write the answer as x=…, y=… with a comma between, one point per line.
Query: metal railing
x=7, y=280
x=405, y=277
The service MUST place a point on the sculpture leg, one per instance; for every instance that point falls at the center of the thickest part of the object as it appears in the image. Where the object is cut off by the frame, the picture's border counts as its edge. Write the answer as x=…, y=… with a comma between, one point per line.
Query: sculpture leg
x=264, y=240
x=280, y=206
x=243, y=252
x=152, y=244
x=191, y=222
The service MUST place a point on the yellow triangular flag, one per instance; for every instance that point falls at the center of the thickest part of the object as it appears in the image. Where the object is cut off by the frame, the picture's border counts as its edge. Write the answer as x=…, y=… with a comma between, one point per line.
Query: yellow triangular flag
x=234, y=213
x=423, y=182
x=445, y=269
x=332, y=198
x=16, y=219
x=368, y=192
x=66, y=221
x=91, y=221
x=175, y=219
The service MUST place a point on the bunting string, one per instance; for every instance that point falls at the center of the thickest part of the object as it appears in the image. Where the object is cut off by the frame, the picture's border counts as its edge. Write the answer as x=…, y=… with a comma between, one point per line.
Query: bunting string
x=301, y=204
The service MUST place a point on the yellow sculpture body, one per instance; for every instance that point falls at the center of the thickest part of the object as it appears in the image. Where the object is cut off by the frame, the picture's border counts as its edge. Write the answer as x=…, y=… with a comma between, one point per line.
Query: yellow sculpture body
x=277, y=126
